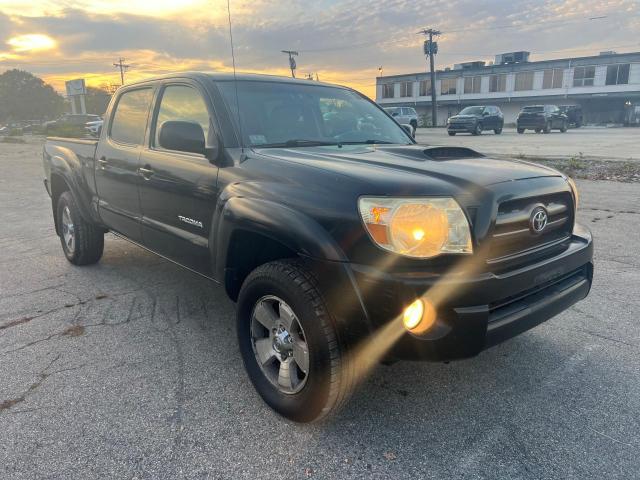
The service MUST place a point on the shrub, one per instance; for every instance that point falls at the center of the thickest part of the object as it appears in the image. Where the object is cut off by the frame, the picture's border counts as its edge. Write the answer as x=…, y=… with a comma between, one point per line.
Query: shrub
x=72, y=131
x=12, y=140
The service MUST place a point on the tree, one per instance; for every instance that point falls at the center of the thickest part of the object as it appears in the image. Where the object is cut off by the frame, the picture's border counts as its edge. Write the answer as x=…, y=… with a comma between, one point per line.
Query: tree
x=24, y=96
x=97, y=100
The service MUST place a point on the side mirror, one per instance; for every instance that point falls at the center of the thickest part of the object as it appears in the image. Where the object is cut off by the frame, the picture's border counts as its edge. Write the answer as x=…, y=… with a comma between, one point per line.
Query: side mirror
x=408, y=128
x=484, y=114
x=182, y=137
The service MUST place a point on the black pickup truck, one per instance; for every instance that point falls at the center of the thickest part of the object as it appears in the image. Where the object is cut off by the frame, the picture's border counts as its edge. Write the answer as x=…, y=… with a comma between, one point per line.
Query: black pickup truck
x=341, y=240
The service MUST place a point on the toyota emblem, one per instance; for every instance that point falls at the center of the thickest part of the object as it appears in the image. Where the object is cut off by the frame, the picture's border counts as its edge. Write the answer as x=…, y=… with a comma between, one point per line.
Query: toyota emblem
x=538, y=220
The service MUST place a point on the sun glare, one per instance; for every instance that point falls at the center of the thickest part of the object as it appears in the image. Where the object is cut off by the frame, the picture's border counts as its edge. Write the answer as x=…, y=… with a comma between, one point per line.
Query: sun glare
x=31, y=42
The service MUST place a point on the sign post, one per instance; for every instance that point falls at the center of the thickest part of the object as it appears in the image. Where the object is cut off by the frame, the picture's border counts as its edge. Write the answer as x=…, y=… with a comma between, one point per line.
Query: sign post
x=77, y=88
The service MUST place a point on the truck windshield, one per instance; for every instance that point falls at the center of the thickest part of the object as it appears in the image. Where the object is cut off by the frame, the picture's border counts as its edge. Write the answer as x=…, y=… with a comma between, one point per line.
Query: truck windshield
x=472, y=111
x=296, y=115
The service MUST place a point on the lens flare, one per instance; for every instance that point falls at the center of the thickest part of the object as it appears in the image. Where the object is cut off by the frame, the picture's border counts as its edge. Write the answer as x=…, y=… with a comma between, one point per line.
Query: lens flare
x=413, y=314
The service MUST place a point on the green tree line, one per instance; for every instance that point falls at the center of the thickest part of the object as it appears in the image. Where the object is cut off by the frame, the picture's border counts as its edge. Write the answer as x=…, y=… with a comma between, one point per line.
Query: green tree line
x=23, y=97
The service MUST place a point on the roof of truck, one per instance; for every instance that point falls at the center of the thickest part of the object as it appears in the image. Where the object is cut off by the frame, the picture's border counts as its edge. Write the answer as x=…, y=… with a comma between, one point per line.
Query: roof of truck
x=229, y=76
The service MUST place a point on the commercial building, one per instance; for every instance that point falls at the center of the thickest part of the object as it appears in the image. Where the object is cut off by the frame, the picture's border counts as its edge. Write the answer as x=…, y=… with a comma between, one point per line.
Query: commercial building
x=606, y=86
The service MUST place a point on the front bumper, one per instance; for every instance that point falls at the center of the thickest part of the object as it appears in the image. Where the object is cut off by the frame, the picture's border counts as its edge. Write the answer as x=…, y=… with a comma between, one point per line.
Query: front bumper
x=531, y=123
x=480, y=311
x=461, y=127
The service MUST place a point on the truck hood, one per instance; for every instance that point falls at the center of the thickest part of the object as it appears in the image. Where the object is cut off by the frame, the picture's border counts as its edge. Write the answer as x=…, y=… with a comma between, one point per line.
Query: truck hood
x=371, y=162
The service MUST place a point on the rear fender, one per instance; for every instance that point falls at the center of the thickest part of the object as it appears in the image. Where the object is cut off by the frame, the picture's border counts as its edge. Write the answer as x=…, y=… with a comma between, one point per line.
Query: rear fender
x=65, y=165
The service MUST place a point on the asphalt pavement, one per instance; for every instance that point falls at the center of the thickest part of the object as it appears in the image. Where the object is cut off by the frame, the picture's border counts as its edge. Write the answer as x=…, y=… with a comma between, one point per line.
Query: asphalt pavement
x=590, y=142
x=130, y=369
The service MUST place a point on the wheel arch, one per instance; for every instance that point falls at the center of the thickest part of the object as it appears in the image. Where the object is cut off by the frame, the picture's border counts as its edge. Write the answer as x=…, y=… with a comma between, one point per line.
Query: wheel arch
x=252, y=232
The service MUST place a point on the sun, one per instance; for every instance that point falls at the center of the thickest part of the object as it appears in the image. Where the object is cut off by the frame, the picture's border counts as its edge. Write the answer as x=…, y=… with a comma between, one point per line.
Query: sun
x=31, y=42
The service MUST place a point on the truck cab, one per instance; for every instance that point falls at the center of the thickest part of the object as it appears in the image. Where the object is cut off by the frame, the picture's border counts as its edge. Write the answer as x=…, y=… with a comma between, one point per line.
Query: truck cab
x=341, y=241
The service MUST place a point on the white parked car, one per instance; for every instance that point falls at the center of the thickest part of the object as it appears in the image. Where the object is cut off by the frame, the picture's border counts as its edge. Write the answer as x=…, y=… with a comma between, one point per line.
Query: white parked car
x=94, y=128
x=404, y=116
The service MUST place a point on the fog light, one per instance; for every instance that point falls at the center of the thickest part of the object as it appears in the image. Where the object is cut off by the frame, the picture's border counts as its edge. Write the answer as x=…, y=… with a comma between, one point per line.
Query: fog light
x=419, y=316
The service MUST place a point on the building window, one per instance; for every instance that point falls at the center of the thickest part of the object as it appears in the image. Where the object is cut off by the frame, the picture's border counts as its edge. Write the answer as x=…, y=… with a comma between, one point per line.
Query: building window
x=425, y=88
x=472, y=84
x=387, y=90
x=552, y=78
x=618, y=74
x=583, y=76
x=406, y=89
x=524, y=81
x=498, y=83
x=448, y=86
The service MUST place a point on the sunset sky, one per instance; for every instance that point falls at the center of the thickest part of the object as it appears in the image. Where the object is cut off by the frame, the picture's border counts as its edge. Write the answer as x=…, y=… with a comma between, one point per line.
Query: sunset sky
x=342, y=41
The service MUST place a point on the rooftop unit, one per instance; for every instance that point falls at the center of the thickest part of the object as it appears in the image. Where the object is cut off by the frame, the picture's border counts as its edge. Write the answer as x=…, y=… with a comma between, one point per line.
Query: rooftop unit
x=469, y=65
x=512, y=57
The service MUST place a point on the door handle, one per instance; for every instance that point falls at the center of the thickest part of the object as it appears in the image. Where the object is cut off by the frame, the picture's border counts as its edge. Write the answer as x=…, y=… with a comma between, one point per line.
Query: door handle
x=145, y=172
x=102, y=161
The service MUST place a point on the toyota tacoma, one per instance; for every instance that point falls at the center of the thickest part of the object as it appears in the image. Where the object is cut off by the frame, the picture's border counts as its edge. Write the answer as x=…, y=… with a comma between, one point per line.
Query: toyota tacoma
x=341, y=240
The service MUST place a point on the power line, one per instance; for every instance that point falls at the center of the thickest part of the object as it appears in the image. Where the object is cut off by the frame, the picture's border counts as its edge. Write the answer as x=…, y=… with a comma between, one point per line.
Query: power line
x=123, y=68
x=431, y=48
x=387, y=41
x=292, y=61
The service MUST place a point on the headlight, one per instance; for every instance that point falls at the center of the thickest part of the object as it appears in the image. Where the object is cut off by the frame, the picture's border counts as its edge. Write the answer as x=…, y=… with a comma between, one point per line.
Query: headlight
x=574, y=189
x=416, y=227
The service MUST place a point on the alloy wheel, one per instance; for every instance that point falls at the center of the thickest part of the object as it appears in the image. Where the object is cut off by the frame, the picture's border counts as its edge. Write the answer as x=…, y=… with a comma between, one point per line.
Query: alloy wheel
x=279, y=344
x=68, y=230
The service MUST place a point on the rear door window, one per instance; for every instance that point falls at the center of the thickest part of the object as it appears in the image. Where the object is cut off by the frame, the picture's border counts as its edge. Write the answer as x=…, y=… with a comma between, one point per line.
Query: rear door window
x=130, y=118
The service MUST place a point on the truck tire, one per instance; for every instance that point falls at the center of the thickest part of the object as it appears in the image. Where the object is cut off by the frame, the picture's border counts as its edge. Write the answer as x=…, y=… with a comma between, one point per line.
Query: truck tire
x=547, y=128
x=563, y=129
x=520, y=130
x=82, y=242
x=498, y=131
x=289, y=343
x=452, y=134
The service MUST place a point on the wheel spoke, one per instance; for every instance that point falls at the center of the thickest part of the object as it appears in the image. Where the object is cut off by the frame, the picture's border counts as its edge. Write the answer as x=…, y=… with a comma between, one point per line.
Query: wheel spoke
x=264, y=350
x=265, y=315
x=301, y=355
x=287, y=377
x=287, y=318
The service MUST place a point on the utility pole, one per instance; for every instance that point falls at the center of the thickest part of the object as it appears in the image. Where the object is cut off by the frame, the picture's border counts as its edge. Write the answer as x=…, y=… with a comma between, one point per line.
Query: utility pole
x=431, y=48
x=123, y=68
x=292, y=61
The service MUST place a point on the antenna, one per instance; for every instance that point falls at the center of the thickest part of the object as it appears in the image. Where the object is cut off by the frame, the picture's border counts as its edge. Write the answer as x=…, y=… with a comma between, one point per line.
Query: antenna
x=235, y=80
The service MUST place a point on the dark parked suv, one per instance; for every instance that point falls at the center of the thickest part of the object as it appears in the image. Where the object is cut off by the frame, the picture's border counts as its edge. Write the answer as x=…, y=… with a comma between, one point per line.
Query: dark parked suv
x=573, y=113
x=475, y=119
x=542, y=118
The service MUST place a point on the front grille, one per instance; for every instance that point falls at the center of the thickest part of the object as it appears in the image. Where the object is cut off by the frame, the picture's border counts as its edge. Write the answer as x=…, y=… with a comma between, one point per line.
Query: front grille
x=513, y=236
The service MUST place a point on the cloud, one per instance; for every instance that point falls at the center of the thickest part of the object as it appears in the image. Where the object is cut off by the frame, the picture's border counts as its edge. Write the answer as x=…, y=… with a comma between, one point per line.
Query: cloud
x=343, y=41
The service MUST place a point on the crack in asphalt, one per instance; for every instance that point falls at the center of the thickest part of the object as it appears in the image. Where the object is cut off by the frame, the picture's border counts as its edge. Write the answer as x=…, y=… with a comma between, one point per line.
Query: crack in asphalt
x=42, y=376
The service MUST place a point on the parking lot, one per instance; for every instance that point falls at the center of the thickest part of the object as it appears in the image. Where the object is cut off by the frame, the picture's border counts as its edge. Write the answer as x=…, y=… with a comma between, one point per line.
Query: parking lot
x=591, y=142
x=130, y=368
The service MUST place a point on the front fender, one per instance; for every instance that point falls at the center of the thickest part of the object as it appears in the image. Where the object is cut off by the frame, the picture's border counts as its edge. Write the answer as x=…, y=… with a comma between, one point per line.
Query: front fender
x=293, y=229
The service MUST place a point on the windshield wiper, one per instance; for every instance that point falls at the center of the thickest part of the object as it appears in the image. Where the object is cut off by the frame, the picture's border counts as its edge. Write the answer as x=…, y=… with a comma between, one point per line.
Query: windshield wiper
x=296, y=143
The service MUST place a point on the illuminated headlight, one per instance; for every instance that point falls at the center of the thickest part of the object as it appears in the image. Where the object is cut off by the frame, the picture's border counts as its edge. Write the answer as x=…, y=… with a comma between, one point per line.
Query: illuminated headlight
x=416, y=227
x=574, y=189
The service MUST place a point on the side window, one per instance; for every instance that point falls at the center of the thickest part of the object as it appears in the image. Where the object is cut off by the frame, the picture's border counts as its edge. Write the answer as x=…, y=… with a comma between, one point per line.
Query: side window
x=181, y=103
x=130, y=118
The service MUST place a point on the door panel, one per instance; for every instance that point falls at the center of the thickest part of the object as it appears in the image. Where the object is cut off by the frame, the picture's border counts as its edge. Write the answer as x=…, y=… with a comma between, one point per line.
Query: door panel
x=178, y=190
x=116, y=165
x=178, y=201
